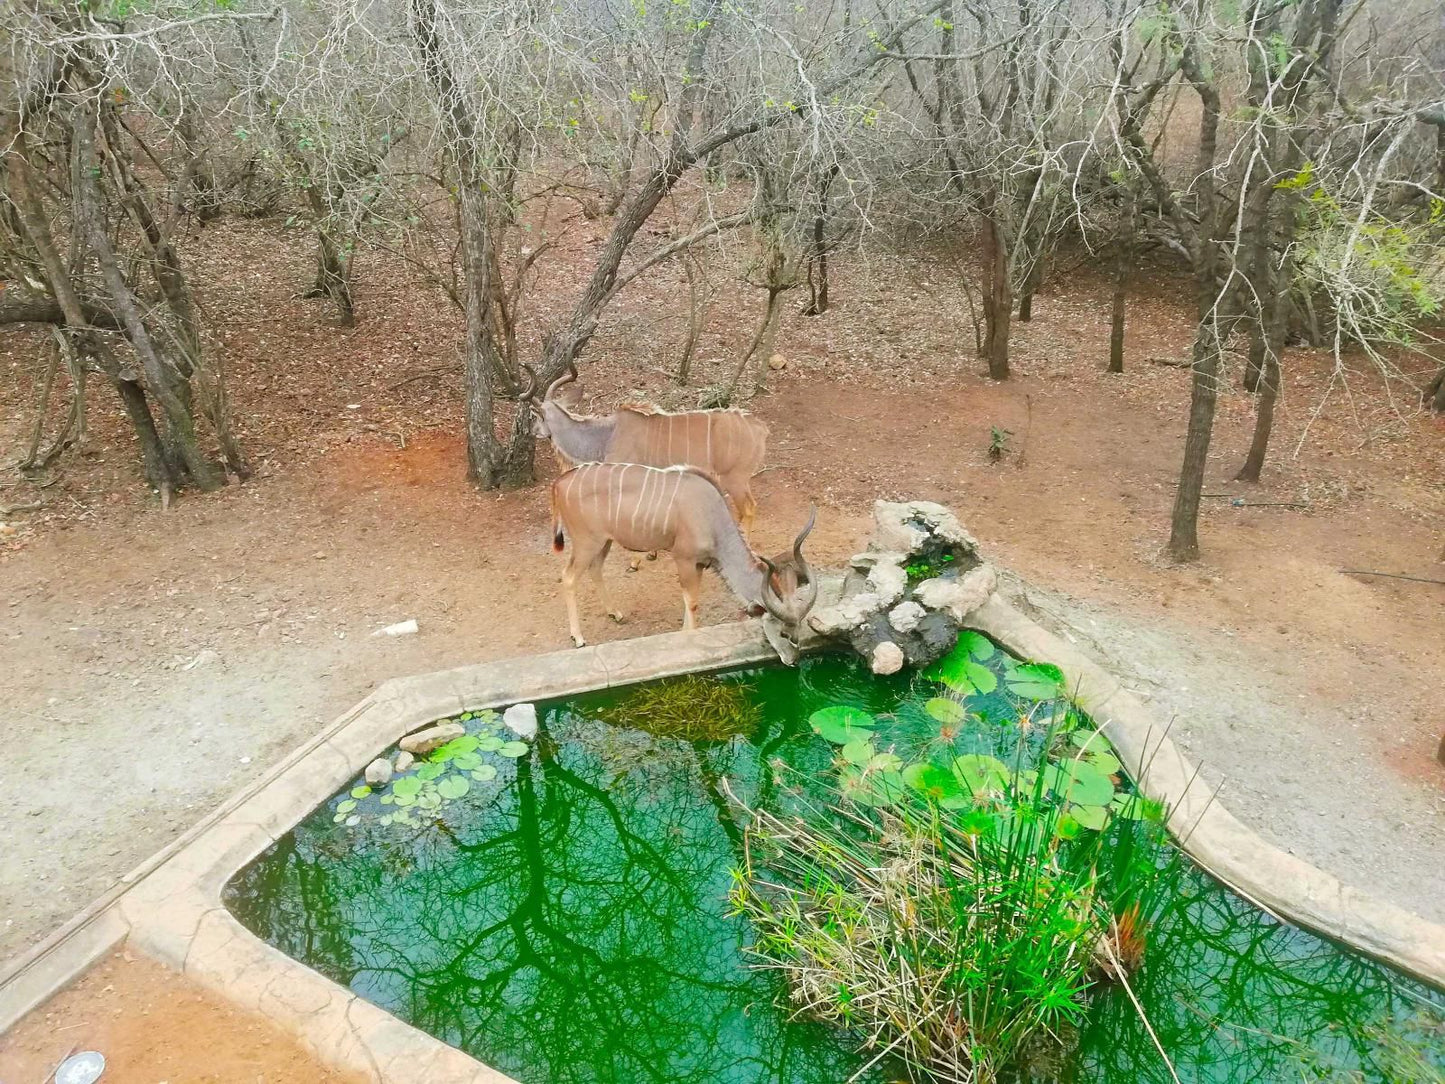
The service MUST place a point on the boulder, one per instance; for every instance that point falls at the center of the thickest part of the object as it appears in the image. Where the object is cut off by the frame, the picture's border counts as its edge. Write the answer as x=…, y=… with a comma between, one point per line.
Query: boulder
x=908, y=526
x=404, y=761
x=521, y=720
x=958, y=597
x=905, y=616
x=887, y=658
x=433, y=737
x=378, y=772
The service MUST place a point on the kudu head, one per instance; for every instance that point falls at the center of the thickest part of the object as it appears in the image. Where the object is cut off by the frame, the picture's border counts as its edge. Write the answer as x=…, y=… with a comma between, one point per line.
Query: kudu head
x=563, y=393
x=789, y=588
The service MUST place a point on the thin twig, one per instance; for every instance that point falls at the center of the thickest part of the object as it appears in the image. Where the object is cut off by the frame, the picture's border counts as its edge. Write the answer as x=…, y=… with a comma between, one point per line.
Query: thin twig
x=1390, y=575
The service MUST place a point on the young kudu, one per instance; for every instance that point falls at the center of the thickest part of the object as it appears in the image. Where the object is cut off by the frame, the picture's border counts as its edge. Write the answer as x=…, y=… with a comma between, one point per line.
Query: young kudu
x=682, y=511
x=727, y=444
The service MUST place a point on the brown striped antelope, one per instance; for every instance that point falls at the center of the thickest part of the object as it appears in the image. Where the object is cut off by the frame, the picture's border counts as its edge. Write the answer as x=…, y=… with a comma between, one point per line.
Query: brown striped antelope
x=682, y=511
x=727, y=444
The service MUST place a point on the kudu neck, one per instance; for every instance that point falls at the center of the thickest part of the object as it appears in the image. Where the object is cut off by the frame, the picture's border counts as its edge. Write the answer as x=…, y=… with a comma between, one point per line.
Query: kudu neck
x=737, y=564
x=582, y=440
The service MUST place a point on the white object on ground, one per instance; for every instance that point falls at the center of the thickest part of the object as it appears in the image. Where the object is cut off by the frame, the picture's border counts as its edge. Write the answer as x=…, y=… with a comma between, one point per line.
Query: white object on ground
x=83, y=1068
x=401, y=628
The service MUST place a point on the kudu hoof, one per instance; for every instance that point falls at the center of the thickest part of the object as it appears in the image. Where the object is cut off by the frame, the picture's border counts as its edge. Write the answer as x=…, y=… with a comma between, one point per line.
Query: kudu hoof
x=577, y=641
x=619, y=617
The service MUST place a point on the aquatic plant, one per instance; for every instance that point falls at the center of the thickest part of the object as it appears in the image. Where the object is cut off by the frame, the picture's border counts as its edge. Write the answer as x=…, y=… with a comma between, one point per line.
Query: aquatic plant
x=433, y=781
x=955, y=906
x=693, y=707
x=952, y=942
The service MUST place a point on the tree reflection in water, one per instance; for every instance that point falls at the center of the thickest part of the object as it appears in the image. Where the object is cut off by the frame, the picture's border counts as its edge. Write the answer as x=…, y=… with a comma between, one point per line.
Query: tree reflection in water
x=569, y=923
x=574, y=928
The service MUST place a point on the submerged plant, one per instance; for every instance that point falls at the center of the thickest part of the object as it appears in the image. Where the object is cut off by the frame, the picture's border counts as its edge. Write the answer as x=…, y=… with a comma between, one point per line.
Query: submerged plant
x=692, y=707
x=949, y=941
x=952, y=904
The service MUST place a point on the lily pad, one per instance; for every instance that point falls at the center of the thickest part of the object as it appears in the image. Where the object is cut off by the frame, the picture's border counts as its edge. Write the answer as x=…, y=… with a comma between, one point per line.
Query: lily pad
x=489, y=743
x=982, y=775
x=362, y=791
x=948, y=712
x=513, y=749
x=353, y=820
x=454, y=787
x=1080, y=783
x=485, y=774
x=937, y=783
x=1105, y=761
x=976, y=644
x=465, y=744
x=403, y=800
x=859, y=751
x=1036, y=681
x=346, y=806
x=430, y=770
x=841, y=725
x=467, y=762
x=408, y=786
x=961, y=673
x=1093, y=817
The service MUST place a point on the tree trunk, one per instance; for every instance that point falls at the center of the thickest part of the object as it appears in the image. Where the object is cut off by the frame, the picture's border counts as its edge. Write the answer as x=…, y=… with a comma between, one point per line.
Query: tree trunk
x=162, y=370
x=696, y=309
x=333, y=279
x=1123, y=264
x=818, y=254
x=1034, y=280
x=765, y=334
x=997, y=301
x=1184, y=522
x=159, y=470
x=484, y=454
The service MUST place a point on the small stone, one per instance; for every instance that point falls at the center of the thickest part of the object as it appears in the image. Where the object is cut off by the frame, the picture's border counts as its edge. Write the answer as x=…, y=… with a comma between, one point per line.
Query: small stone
x=521, y=720
x=403, y=761
x=433, y=737
x=378, y=772
x=887, y=658
x=905, y=616
x=203, y=658
x=777, y=363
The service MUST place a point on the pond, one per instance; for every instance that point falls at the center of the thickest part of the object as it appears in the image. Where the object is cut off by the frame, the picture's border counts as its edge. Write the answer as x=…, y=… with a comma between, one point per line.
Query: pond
x=560, y=911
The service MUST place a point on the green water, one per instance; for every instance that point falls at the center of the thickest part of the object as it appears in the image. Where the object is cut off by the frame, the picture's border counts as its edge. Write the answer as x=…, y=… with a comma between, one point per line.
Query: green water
x=568, y=922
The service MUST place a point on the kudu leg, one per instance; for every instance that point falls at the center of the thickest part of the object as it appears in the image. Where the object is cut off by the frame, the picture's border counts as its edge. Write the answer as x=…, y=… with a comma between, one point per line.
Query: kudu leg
x=580, y=557
x=689, y=576
x=595, y=568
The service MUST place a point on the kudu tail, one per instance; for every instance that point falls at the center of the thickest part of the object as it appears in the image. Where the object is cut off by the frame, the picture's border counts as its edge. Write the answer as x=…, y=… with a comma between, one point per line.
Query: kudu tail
x=558, y=540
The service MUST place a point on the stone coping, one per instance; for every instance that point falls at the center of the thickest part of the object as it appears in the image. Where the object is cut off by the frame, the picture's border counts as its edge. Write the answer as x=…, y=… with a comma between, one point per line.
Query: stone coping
x=170, y=906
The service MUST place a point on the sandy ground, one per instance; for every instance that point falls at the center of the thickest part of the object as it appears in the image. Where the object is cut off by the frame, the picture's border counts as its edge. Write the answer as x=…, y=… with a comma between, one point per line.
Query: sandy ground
x=155, y=1027
x=152, y=662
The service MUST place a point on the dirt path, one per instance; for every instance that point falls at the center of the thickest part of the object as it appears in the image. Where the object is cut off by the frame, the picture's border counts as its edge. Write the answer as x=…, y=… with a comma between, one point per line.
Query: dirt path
x=150, y=662
x=154, y=1026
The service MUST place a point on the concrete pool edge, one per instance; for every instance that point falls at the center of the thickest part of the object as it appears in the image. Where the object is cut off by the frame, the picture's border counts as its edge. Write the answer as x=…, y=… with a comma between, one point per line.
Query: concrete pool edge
x=171, y=908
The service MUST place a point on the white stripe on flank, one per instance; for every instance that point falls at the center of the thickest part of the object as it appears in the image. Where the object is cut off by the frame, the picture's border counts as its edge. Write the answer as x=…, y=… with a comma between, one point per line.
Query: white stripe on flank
x=656, y=504
x=641, y=497
x=667, y=515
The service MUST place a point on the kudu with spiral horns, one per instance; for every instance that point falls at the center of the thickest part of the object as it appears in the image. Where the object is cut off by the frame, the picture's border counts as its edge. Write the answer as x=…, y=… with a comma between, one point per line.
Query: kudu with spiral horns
x=727, y=444
x=682, y=511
